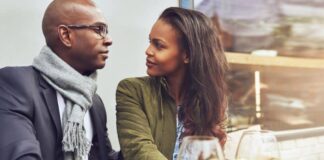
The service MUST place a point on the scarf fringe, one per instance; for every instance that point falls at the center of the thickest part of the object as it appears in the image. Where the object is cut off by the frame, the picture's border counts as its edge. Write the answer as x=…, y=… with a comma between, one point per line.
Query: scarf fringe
x=74, y=139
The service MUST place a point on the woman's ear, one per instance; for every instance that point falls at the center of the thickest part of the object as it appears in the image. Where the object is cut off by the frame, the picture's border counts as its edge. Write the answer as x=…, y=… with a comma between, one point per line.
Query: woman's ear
x=64, y=35
x=185, y=58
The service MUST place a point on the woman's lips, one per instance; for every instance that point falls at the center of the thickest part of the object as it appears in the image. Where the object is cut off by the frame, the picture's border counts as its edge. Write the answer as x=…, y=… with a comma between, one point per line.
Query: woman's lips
x=150, y=64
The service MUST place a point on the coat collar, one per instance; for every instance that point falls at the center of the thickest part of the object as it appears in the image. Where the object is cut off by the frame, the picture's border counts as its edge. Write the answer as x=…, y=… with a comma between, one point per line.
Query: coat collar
x=98, y=121
x=50, y=97
x=163, y=83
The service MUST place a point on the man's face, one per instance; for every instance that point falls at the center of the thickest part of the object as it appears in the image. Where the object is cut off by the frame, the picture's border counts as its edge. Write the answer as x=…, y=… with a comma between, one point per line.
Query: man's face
x=89, y=47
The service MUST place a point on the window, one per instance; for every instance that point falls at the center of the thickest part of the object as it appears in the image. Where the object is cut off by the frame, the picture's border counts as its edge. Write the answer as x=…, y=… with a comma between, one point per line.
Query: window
x=275, y=49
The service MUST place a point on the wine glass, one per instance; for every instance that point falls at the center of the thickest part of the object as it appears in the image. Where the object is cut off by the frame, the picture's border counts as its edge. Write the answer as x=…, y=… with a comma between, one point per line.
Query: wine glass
x=258, y=145
x=200, y=148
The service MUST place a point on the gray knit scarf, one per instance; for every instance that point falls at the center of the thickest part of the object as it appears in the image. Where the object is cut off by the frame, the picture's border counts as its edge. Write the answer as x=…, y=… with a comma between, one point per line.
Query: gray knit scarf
x=78, y=91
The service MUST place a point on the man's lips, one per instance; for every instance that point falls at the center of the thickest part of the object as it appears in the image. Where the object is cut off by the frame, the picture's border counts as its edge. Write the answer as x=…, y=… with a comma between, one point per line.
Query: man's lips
x=104, y=53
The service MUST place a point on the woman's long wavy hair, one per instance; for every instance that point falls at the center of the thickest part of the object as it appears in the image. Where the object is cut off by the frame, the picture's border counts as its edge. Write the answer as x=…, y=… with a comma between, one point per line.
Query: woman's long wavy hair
x=205, y=77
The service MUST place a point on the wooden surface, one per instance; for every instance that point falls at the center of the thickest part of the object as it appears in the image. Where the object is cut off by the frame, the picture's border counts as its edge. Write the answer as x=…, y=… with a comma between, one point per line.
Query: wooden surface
x=263, y=61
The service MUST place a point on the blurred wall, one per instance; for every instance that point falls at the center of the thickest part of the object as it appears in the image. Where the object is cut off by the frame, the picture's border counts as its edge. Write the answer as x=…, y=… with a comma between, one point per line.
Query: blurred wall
x=129, y=25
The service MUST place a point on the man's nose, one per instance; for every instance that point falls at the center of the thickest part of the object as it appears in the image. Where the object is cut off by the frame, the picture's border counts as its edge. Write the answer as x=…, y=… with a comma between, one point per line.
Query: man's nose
x=107, y=41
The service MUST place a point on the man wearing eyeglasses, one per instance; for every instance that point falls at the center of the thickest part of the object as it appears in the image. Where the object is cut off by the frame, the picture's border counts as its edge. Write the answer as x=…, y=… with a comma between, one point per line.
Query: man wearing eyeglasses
x=50, y=110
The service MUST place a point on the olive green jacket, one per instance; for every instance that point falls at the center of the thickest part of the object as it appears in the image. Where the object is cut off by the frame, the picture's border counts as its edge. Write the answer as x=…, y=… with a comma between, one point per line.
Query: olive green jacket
x=146, y=119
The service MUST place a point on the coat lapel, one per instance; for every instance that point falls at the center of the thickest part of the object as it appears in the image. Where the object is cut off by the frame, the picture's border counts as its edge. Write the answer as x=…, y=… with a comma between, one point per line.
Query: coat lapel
x=49, y=95
x=98, y=130
x=95, y=120
x=50, y=98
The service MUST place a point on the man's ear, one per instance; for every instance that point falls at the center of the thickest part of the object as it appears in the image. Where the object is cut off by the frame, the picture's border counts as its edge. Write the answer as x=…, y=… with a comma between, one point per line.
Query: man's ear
x=64, y=35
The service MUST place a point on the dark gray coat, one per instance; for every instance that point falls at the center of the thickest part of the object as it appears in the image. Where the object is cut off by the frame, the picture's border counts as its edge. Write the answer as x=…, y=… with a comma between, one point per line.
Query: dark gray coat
x=30, y=126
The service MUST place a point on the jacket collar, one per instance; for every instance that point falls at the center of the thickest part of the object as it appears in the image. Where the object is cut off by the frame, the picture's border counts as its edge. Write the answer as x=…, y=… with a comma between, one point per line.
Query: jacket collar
x=163, y=82
x=163, y=89
x=50, y=97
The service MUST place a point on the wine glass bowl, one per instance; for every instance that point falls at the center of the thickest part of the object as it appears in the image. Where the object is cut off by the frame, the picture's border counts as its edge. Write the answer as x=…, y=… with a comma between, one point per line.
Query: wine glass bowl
x=258, y=145
x=200, y=148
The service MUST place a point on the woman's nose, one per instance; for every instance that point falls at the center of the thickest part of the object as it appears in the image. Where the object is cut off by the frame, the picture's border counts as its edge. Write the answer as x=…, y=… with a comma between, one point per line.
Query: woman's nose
x=148, y=51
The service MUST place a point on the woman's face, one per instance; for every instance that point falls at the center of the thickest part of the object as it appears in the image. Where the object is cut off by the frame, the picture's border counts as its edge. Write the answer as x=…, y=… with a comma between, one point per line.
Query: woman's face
x=164, y=55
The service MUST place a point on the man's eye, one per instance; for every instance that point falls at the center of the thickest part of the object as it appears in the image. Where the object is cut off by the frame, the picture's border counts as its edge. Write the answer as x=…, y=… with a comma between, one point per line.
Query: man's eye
x=101, y=28
x=97, y=29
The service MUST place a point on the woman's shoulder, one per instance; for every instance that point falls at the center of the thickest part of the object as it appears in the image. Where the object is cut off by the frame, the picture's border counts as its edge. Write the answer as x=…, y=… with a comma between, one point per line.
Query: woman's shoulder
x=138, y=81
x=140, y=86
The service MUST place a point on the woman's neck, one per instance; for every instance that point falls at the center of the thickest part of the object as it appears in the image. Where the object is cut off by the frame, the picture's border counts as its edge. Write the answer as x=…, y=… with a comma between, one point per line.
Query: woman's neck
x=175, y=85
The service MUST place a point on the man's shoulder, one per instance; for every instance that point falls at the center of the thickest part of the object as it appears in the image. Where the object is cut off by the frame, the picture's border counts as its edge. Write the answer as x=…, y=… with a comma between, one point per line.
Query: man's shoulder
x=16, y=71
x=14, y=78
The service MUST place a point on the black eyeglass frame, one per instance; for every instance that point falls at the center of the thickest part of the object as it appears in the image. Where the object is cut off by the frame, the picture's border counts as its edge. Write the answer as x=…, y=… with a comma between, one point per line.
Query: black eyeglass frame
x=95, y=27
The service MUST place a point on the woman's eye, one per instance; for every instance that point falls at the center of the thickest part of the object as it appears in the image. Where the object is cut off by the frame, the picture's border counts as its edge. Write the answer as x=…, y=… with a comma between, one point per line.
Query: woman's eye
x=158, y=45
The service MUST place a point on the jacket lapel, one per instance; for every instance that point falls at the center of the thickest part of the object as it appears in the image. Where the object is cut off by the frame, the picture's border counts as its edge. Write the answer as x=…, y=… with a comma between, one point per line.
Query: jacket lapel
x=98, y=130
x=95, y=120
x=49, y=95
